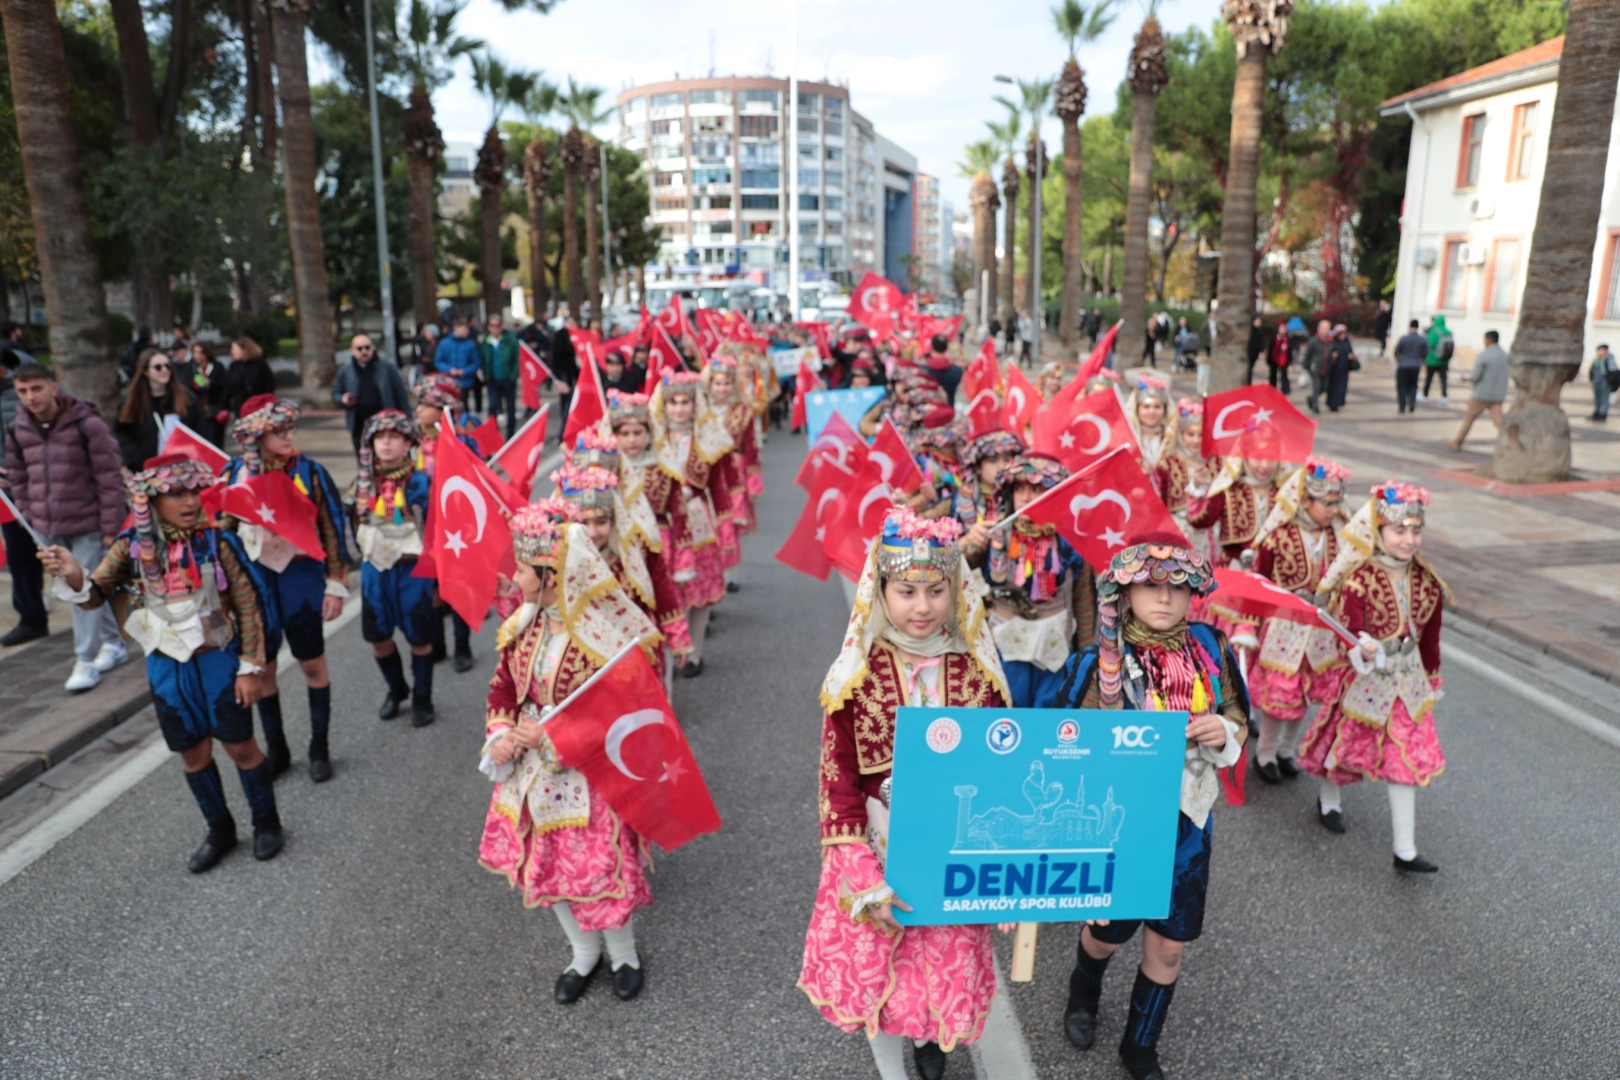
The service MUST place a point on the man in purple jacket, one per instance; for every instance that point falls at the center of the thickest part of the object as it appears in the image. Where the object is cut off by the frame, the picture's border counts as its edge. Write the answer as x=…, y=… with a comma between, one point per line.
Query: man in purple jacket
x=65, y=479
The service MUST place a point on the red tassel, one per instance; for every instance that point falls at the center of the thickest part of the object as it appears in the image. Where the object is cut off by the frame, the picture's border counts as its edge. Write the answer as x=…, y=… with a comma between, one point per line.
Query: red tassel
x=1232, y=780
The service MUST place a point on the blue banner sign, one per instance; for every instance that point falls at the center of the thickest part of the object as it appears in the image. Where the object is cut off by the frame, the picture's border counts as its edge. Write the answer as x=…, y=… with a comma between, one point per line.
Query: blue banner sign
x=819, y=405
x=1034, y=815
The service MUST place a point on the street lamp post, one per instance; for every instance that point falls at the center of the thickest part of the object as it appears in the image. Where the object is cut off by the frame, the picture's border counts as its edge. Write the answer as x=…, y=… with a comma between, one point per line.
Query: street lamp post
x=607, y=235
x=384, y=268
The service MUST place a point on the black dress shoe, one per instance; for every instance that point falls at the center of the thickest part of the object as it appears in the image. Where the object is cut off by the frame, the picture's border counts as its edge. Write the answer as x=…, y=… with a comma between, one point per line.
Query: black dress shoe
x=930, y=1060
x=1288, y=767
x=732, y=586
x=391, y=703
x=571, y=984
x=279, y=757
x=1417, y=864
x=1080, y=1025
x=627, y=982
x=1267, y=771
x=266, y=843
x=692, y=670
x=421, y=712
x=1332, y=820
x=320, y=766
x=23, y=633
x=214, y=848
x=463, y=661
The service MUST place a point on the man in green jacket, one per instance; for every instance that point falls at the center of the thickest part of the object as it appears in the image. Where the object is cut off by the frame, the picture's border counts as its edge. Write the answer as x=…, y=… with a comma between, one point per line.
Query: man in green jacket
x=1441, y=348
x=500, y=350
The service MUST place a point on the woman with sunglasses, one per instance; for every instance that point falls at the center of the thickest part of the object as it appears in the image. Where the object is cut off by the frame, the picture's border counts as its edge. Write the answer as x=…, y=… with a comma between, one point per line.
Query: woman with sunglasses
x=154, y=403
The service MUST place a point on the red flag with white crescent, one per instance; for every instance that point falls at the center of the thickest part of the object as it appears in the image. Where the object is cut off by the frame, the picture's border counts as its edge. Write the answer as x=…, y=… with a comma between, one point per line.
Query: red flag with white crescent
x=662, y=356
x=875, y=302
x=271, y=500
x=589, y=406
x=1256, y=420
x=1098, y=509
x=673, y=319
x=520, y=457
x=894, y=460
x=804, y=382
x=983, y=372
x=984, y=411
x=532, y=374
x=182, y=440
x=836, y=440
x=1080, y=431
x=1020, y=401
x=805, y=548
x=470, y=539
x=1099, y=356
x=853, y=520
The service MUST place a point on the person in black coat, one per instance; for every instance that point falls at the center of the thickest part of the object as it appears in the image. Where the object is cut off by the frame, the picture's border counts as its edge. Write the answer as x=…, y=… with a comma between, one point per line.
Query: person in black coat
x=564, y=364
x=1259, y=341
x=250, y=375
x=154, y=396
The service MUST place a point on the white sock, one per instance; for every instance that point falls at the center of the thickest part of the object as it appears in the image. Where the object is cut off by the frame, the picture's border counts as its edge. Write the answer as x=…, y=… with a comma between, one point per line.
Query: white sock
x=621, y=946
x=587, y=943
x=889, y=1051
x=1270, y=728
x=1330, y=797
x=1295, y=731
x=1403, y=819
x=698, y=619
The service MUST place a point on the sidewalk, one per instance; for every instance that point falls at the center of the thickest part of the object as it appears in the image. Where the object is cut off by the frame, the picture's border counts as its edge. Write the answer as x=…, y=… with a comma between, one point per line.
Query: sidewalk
x=1540, y=565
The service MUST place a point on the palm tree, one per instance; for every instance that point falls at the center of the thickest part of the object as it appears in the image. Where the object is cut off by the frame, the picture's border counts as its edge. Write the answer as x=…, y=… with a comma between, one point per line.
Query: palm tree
x=538, y=158
x=1006, y=139
x=1533, y=445
x=1259, y=27
x=1036, y=94
x=58, y=204
x=977, y=161
x=316, y=364
x=432, y=46
x=582, y=106
x=1148, y=76
x=1075, y=23
x=502, y=87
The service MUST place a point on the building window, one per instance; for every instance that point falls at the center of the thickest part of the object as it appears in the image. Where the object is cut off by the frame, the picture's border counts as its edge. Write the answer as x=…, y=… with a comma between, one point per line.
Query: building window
x=1453, y=278
x=668, y=179
x=835, y=202
x=808, y=125
x=710, y=97
x=705, y=125
x=762, y=178
x=457, y=168
x=762, y=228
x=834, y=106
x=809, y=202
x=756, y=96
x=808, y=102
x=1609, y=299
x=673, y=150
x=833, y=228
x=761, y=153
x=1502, y=277
x=756, y=127
x=666, y=127
x=1473, y=142
x=807, y=151
x=677, y=202
x=761, y=202
x=833, y=127
x=809, y=178
x=1522, y=145
x=635, y=105
x=834, y=154
x=719, y=228
x=664, y=101
x=835, y=178
x=712, y=147
x=711, y=176
x=713, y=202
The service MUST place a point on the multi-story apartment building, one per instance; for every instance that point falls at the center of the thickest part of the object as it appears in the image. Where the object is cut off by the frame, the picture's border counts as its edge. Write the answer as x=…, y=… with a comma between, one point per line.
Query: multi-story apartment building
x=933, y=237
x=717, y=155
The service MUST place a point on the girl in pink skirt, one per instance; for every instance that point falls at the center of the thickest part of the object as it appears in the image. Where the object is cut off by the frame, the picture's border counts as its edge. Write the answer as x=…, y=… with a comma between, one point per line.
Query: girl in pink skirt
x=918, y=636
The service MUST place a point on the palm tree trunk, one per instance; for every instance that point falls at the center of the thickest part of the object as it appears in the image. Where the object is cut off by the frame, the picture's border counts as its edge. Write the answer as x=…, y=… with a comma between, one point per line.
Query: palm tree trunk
x=489, y=234
x=149, y=280
x=59, y=207
x=315, y=327
x=593, y=241
x=1533, y=445
x=1034, y=175
x=266, y=74
x=537, y=249
x=1073, y=238
x=571, y=270
x=1236, y=289
x=423, y=147
x=1133, y=294
x=1009, y=257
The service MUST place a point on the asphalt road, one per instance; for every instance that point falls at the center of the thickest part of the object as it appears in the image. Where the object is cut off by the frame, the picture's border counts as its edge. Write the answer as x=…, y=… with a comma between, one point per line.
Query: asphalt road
x=375, y=945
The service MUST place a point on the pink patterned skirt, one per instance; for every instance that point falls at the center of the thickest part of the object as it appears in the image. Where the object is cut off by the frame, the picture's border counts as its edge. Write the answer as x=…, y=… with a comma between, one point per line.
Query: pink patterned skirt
x=1286, y=697
x=696, y=571
x=725, y=531
x=931, y=983
x=597, y=868
x=1400, y=752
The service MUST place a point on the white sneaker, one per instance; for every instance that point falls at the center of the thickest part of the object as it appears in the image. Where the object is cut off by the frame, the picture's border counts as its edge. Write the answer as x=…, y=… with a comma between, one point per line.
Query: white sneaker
x=111, y=655
x=1445, y=401
x=1423, y=397
x=84, y=677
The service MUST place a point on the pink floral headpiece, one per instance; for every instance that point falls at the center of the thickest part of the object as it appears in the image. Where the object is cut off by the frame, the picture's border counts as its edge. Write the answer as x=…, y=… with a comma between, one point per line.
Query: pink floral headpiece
x=1400, y=502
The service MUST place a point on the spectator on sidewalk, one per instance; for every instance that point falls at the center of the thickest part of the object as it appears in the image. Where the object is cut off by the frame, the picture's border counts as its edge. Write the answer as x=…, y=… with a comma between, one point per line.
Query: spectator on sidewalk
x=500, y=366
x=249, y=376
x=563, y=363
x=22, y=557
x=1341, y=360
x=620, y=376
x=206, y=378
x=365, y=386
x=459, y=357
x=1150, y=352
x=12, y=353
x=154, y=403
x=1256, y=348
x=1381, y=324
x=1026, y=337
x=426, y=342
x=1490, y=386
x=939, y=365
x=1605, y=375
x=1441, y=348
x=1314, y=360
x=1411, y=352
x=62, y=464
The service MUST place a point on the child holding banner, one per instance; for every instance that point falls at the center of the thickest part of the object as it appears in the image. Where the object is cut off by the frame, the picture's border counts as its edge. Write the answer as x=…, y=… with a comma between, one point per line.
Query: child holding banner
x=917, y=636
x=1149, y=656
x=549, y=832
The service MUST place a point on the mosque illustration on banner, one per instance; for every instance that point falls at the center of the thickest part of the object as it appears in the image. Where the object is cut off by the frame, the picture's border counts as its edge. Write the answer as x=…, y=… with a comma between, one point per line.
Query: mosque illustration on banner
x=1053, y=825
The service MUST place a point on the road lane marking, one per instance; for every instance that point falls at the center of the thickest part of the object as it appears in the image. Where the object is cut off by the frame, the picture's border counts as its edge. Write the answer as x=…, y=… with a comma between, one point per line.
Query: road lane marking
x=1554, y=705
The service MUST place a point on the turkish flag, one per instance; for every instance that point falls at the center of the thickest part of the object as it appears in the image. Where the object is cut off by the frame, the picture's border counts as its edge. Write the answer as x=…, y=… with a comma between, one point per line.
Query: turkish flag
x=894, y=460
x=709, y=325
x=1100, y=508
x=662, y=356
x=946, y=328
x=906, y=315
x=836, y=440
x=820, y=333
x=470, y=539
x=622, y=734
x=182, y=440
x=1080, y=431
x=1259, y=420
x=805, y=548
x=589, y=406
x=855, y=518
x=983, y=373
x=273, y=501
x=532, y=372
x=875, y=302
x=1099, y=356
x=1022, y=400
x=1250, y=594
x=488, y=437
x=804, y=382
x=520, y=457
x=984, y=411
x=672, y=320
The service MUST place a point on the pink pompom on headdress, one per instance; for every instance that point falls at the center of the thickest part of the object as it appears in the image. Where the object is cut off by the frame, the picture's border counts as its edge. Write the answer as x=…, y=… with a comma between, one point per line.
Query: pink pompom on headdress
x=623, y=407
x=682, y=382
x=1190, y=408
x=1400, y=502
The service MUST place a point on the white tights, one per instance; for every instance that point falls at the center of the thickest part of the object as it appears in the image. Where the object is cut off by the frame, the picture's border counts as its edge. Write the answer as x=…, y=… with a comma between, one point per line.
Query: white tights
x=889, y=1051
x=1402, y=813
x=1281, y=737
x=621, y=943
x=698, y=619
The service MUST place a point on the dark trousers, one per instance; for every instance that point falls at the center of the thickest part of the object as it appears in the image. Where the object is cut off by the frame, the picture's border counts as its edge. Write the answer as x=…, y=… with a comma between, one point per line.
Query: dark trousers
x=1149, y=353
x=1406, y=382
x=474, y=396
x=1278, y=377
x=27, y=576
x=1428, y=378
x=503, y=396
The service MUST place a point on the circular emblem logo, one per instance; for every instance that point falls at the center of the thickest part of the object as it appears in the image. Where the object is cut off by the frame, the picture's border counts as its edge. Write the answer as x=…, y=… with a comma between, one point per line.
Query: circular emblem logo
x=944, y=735
x=1068, y=732
x=1003, y=736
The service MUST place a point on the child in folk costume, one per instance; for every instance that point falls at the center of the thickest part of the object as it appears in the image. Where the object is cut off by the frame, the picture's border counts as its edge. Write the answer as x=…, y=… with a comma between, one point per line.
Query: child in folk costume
x=653, y=496
x=438, y=399
x=1147, y=410
x=689, y=441
x=744, y=476
x=1184, y=474
x=1149, y=656
x=1238, y=502
x=1043, y=597
x=308, y=591
x=1050, y=380
x=1382, y=725
x=1299, y=666
x=917, y=636
x=201, y=622
x=548, y=831
x=978, y=504
x=390, y=503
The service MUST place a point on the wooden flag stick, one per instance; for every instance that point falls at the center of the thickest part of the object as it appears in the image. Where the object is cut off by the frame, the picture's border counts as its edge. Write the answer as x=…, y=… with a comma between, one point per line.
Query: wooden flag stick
x=1023, y=958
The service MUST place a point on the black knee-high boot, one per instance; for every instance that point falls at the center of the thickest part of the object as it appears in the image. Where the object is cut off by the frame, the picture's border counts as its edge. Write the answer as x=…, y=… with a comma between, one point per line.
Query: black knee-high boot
x=275, y=735
x=463, y=656
x=261, y=799
x=320, y=722
x=209, y=791
x=1085, y=990
x=422, y=695
x=1138, y=1050
x=393, y=670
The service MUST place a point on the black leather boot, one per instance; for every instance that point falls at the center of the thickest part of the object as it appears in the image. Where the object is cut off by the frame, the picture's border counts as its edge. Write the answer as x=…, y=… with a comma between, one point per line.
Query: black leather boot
x=930, y=1060
x=218, y=843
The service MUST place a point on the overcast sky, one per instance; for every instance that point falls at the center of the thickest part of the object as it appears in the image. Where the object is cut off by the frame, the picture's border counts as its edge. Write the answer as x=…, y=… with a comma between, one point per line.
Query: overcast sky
x=922, y=72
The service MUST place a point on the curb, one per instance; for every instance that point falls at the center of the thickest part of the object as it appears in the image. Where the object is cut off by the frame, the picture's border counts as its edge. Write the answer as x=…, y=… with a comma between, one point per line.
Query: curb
x=1547, y=648
x=119, y=703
